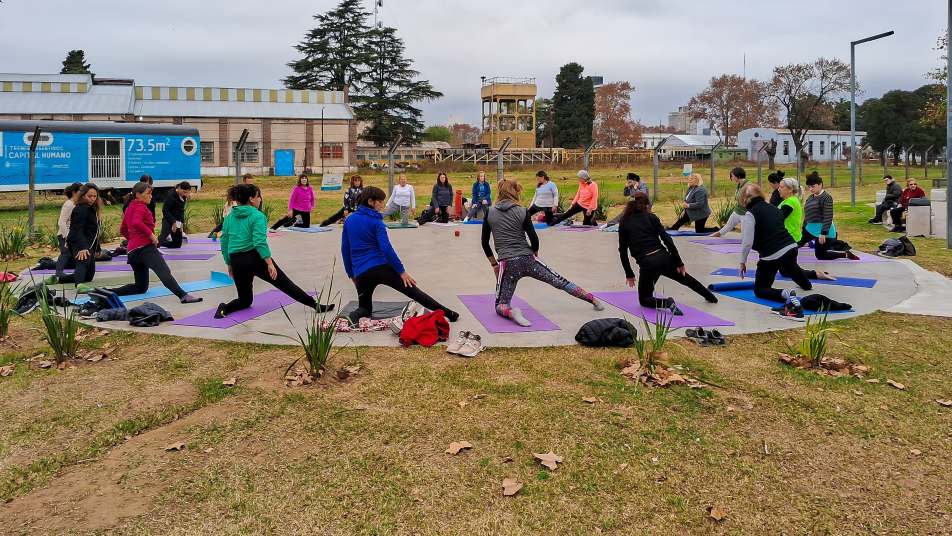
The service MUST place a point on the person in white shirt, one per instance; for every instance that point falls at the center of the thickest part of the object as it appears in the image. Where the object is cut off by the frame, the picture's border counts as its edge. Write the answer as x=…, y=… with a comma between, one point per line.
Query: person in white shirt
x=402, y=200
x=65, y=259
x=546, y=197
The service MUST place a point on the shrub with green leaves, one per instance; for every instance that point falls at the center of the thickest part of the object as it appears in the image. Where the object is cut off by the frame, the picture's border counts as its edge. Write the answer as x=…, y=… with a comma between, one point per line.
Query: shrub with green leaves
x=13, y=241
x=723, y=210
x=815, y=341
x=652, y=343
x=268, y=210
x=61, y=326
x=108, y=230
x=48, y=237
x=678, y=209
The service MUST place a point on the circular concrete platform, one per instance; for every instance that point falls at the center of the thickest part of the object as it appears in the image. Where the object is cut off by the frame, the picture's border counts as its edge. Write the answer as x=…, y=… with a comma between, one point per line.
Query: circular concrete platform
x=446, y=266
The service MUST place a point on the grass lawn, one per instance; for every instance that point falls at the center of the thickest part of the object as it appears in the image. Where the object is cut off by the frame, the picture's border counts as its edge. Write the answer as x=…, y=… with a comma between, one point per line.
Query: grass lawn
x=777, y=450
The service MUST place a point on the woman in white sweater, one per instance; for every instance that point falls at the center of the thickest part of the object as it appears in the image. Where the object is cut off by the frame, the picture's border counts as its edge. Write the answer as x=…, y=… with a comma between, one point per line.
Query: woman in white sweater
x=402, y=200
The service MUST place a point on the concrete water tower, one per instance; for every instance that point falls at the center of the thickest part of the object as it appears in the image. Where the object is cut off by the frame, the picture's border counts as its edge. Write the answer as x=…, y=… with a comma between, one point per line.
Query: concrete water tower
x=509, y=111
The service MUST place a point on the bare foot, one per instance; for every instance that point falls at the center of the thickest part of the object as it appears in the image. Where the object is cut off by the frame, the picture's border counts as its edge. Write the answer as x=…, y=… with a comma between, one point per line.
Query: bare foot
x=825, y=276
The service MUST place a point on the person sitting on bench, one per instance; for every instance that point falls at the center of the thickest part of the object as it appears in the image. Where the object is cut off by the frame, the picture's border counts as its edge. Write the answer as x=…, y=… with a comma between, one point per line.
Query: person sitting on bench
x=897, y=214
x=893, y=193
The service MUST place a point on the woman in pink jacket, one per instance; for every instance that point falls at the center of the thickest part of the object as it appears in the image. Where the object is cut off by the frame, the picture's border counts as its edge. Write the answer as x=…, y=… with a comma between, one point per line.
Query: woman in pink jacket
x=585, y=201
x=300, y=206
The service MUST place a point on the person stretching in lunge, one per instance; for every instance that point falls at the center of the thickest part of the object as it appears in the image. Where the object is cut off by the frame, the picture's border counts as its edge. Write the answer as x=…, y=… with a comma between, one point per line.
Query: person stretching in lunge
x=173, y=216
x=763, y=231
x=244, y=245
x=402, y=200
x=792, y=211
x=300, y=205
x=818, y=222
x=350, y=201
x=85, y=223
x=546, y=198
x=640, y=233
x=739, y=176
x=370, y=260
x=138, y=226
x=585, y=201
x=65, y=259
x=510, y=225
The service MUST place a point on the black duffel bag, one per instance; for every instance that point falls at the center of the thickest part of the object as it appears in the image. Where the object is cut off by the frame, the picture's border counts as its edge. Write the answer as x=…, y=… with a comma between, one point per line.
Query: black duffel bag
x=607, y=332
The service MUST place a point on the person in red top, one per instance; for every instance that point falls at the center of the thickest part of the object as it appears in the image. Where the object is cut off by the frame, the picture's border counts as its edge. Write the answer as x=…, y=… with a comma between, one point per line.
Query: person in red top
x=912, y=191
x=585, y=201
x=138, y=226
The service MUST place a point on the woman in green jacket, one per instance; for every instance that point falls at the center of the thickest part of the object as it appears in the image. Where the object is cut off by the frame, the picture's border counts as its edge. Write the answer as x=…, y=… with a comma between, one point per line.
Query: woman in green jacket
x=244, y=245
x=792, y=210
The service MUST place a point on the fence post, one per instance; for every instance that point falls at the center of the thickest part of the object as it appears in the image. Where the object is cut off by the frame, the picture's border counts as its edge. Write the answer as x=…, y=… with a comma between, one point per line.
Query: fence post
x=500, y=164
x=391, y=163
x=31, y=217
x=586, y=155
x=238, y=147
x=713, y=162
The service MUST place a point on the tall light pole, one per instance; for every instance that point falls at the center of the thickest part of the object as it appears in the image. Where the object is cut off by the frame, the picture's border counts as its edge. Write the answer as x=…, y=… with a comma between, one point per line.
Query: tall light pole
x=853, y=109
x=948, y=136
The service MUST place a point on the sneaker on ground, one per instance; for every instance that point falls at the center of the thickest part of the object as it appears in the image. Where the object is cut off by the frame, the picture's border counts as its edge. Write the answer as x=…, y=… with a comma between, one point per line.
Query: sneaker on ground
x=518, y=318
x=471, y=346
x=852, y=256
x=396, y=325
x=188, y=298
x=454, y=346
x=792, y=312
x=598, y=305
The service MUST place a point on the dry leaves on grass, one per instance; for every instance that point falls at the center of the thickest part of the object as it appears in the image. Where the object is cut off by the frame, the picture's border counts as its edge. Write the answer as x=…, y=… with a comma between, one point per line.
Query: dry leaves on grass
x=717, y=512
x=896, y=384
x=592, y=400
x=45, y=364
x=7, y=370
x=550, y=459
x=662, y=376
x=829, y=366
x=230, y=382
x=346, y=372
x=944, y=403
x=175, y=447
x=297, y=377
x=510, y=486
x=458, y=446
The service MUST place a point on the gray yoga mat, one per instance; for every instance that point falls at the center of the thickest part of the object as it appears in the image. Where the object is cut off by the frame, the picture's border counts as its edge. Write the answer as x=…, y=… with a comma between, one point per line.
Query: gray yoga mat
x=382, y=309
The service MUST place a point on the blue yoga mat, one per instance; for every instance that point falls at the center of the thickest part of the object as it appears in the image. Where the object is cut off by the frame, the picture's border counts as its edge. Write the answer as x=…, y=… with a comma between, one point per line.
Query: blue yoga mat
x=473, y=222
x=687, y=233
x=217, y=280
x=309, y=229
x=538, y=225
x=840, y=281
x=744, y=290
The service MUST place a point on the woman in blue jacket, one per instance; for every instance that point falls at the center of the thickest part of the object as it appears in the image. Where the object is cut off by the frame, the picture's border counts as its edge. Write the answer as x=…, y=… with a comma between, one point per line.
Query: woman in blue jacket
x=481, y=199
x=370, y=260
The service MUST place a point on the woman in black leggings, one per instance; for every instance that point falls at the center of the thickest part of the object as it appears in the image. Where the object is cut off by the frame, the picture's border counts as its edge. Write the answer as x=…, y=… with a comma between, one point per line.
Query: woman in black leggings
x=370, y=260
x=640, y=233
x=83, y=238
x=244, y=245
x=138, y=226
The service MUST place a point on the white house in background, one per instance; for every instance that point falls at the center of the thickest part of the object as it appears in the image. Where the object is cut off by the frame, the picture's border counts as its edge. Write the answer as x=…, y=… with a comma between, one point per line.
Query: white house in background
x=821, y=145
x=679, y=146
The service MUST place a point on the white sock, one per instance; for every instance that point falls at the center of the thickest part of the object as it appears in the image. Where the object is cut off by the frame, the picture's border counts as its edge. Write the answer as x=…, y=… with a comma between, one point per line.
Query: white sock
x=598, y=305
x=518, y=318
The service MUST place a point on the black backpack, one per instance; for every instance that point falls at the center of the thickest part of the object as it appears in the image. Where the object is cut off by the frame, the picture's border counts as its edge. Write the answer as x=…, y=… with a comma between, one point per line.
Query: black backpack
x=607, y=332
x=909, y=249
x=30, y=299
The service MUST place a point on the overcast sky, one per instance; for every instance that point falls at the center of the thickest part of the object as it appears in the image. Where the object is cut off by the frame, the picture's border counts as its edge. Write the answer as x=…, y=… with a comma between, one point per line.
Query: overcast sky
x=668, y=49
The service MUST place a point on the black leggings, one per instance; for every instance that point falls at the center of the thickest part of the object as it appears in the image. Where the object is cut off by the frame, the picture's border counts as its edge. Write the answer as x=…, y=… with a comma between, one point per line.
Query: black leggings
x=700, y=225
x=335, y=217
x=549, y=213
x=169, y=238
x=65, y=259
x=589, y=219
x=142, y=260
x=384, y=274
x=444, y=214
x=767, y=274
x=287, y=221
x=822, y=251
x=652, y=267
x=84, y=272
x=247, y=265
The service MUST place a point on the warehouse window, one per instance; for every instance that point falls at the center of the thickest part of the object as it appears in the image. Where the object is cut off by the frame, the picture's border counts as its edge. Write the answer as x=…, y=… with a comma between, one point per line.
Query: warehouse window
x=822, y=146
x=810, y=148
x=786, y=148
x=332, y=151
x=208, y=151
x=249, y=153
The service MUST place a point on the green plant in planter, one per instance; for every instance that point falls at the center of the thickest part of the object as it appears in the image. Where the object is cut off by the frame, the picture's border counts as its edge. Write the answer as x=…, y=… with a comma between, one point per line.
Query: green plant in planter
x=61, y=327
x=600, y=210
x=217, y=215
x=268, y=210
x=13, y=241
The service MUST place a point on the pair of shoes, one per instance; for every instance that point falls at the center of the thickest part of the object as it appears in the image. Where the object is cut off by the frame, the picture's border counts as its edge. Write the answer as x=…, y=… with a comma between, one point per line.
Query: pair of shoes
x=706, y=338
x=468, y=344
x=899, y=229
x=789, y=310
x=874, y=220
x=188, y=298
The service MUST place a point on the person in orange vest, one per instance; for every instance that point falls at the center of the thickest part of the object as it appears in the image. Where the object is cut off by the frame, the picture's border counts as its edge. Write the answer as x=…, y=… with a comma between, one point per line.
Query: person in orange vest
x=585, y=201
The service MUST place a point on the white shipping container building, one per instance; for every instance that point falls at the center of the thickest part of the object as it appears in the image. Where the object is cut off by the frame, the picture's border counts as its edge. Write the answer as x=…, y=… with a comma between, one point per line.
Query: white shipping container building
x=821, y=145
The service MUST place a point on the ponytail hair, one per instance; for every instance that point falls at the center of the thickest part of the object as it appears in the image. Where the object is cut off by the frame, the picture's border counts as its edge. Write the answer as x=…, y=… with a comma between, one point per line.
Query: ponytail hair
x=243, y=193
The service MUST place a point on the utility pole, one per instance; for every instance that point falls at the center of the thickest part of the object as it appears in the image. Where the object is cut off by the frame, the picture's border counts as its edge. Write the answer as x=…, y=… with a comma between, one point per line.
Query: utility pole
x=853, y=109
x=390, y=162
x=500, y=164
x=714, y=148
x=948, y=135
x=587, y=153
x=654, y=190
x=31, y=218
x=238, y=147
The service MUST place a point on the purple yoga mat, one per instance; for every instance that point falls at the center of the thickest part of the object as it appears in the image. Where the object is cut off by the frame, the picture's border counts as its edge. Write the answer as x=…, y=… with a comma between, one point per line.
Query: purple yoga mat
x=483, y=307
x=627, y=300
x=715, y=241
x=197, y=248
x=100, y=267
x=263, y=304
x=171, y=257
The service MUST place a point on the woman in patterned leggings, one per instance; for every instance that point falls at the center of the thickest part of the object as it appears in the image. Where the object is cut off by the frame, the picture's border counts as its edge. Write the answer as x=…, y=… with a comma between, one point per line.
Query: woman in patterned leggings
x=509, y=225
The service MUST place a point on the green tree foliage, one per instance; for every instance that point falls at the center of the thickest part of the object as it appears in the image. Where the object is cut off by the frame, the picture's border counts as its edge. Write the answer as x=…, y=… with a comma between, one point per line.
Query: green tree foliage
x=437, y=133
x=545, y=123
x=573, y=107
x=898, y=117
x=841, y=115
x=344, y=50
x=75, y=63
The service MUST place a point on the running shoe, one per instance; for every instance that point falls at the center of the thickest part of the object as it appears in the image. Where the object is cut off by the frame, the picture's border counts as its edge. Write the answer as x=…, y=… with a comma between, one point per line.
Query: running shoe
x=471, y=346
x=791, y=311
x=454, y=346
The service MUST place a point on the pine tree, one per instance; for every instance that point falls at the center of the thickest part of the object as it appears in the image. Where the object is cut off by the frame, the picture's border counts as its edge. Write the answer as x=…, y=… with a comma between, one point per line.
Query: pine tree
x=334, y=53
x=392, y=90
x=573, y=106
x=75, y=63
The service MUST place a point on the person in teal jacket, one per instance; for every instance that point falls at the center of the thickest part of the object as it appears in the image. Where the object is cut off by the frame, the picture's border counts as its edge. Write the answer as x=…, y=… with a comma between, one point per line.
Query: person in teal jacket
x=481, y=199
x=244, y=246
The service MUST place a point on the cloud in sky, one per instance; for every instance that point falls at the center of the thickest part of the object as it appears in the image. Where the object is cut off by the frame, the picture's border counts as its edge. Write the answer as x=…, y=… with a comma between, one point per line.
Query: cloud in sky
x=666, y=49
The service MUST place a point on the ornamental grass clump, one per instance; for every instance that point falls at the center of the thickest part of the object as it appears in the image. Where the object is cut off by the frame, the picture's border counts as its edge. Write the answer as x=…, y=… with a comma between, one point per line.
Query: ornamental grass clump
x=13, y=241
x=61, y=325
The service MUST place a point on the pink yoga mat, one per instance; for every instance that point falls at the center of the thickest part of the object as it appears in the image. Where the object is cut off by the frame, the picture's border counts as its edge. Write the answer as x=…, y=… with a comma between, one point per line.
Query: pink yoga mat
x=483, y=307
x=263, y=304
x=627, y=300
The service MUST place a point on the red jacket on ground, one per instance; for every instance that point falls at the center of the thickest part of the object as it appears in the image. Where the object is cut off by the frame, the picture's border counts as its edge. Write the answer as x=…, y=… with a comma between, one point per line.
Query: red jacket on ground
x=138, y=225
x=425, y=330
x=908, y=194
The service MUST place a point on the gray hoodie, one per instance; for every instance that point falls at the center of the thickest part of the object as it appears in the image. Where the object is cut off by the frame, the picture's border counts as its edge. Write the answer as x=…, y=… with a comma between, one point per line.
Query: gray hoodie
x=510, y=225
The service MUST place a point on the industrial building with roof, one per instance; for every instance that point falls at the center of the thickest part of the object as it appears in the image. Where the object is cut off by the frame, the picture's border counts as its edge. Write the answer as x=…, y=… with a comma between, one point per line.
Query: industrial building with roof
x=318, y=126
